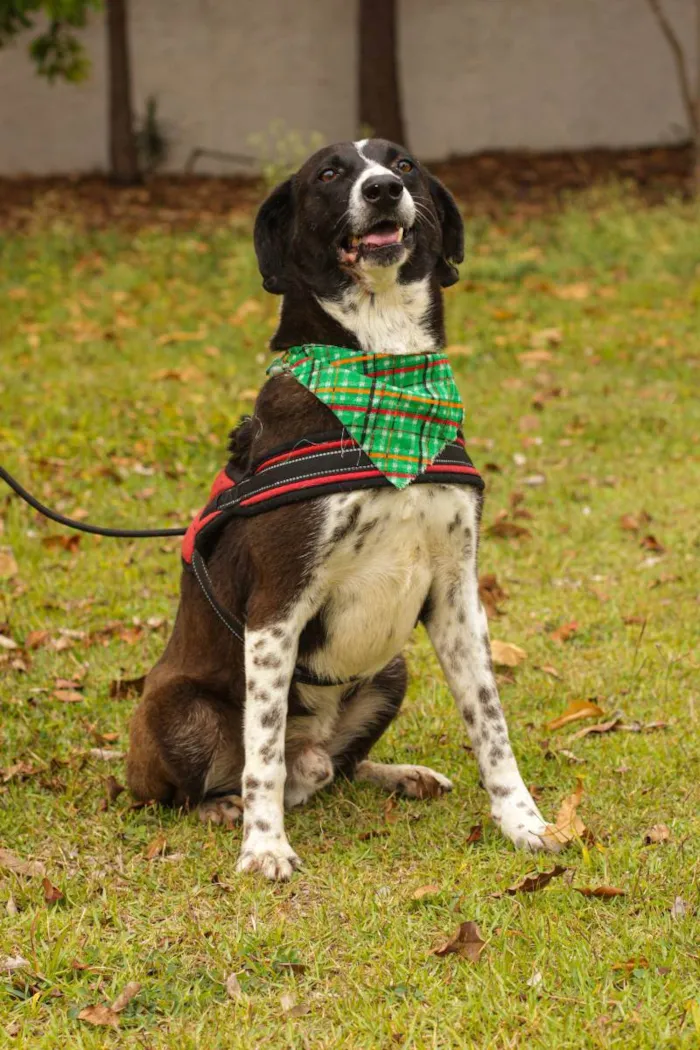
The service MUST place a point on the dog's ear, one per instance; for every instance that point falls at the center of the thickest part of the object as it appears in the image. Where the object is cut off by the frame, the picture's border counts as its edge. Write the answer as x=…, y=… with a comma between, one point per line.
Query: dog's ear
x=452, y=233
x=273, y=228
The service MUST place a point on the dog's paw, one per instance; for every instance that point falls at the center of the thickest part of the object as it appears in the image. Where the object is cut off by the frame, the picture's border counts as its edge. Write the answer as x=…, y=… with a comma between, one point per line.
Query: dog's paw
x=421, y=782
x=522, y=823
x=275, y=860
x=228, y=809
x=311, y=771
x=411, y=781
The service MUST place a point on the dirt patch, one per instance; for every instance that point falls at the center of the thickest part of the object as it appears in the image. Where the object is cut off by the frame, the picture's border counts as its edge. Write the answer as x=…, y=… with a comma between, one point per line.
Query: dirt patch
x=483, y=182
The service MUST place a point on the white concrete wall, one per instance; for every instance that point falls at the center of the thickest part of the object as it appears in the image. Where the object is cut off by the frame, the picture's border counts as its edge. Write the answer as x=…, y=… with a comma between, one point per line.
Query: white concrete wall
x=540, y=74
x=477, y=74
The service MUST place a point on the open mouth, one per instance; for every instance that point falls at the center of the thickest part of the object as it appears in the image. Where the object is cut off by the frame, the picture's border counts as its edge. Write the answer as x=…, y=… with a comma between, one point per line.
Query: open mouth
x=382, y=241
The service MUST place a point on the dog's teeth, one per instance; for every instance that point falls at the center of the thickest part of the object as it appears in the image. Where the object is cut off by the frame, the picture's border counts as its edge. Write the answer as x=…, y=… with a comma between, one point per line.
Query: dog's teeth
x=400, y=236
x=354, y=241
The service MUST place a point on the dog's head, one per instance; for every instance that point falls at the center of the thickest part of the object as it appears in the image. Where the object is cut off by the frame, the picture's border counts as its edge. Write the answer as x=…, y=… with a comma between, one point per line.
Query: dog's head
x=358, y=214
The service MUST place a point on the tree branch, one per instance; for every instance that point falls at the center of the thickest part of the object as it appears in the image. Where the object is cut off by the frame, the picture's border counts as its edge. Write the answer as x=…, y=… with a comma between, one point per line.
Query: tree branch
x=681, y=64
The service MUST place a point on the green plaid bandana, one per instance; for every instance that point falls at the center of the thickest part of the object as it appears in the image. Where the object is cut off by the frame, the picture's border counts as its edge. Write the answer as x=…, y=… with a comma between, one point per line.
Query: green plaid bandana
x=401, y=409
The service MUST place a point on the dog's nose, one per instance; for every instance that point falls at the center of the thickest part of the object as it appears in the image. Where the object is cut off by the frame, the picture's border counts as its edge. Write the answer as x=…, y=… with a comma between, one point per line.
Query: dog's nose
x=384, y=189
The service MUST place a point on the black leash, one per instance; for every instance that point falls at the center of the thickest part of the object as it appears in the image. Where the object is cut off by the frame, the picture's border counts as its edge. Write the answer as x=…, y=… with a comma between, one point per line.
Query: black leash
x=234, y=625
x=81, y=526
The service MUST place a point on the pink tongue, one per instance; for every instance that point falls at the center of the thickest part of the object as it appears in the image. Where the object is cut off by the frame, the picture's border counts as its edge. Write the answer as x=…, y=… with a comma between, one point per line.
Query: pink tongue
x=378, y=240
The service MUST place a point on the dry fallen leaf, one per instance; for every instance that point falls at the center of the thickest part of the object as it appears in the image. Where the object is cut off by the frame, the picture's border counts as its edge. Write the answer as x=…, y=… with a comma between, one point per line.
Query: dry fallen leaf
x=64, y=543
x=51, y=892
x=99, y=1015
x=121, y=688
x=68, y=696
x=37, y=639
x=291, y=1008
x=178, y=337
x=127, y=993
x=601, y=727
x=105, y=754
x=637, y=963
x=20, y=770
x=475, y=834
x=535, y=357
x=578, y=290
x=156, y=848
x=114, y=788
x=649, y=727
x=390, y=814
x=8, y=565
x=12, y=862
x=233, y=987
x=14, y=962
x=505, y=654
x=650, y=543
x=247, y=309
x=546, y=337
x=373, y=833
x=508, y=530
x=467, y=942
x=552, y=671
x=600, y=891
x=566, y=631
x=531, y=883
x=425, y=891
x=574, y=759
x=657, y=834
x=569, y=825
x=490, y=594
x=576, y=710
x=633, y=522
x=679, y=908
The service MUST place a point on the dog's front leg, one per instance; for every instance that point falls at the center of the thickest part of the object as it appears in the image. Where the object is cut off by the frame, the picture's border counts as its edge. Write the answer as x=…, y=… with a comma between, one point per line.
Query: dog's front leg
x=270, y=656
x=458, y=629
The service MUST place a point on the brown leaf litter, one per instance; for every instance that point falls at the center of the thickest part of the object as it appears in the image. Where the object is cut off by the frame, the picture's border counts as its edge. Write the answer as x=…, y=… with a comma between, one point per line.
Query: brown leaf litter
x=577, y=710
x=466, y=941
x=531, y=883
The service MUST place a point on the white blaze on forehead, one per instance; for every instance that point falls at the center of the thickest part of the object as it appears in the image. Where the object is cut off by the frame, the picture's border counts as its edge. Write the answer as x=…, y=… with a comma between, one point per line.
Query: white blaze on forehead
x=358, y=207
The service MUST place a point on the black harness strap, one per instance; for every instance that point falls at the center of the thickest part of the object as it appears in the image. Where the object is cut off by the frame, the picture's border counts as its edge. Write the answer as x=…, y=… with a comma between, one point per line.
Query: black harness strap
x=237, y=628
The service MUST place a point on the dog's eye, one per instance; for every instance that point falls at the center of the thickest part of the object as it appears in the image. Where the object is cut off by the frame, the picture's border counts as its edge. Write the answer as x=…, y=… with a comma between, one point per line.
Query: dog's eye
x=328, y=174
x=404, y=166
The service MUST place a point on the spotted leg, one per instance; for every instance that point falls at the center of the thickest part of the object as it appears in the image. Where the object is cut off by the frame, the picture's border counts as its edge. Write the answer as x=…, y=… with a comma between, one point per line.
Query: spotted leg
x=270, y=655
x=459, y=632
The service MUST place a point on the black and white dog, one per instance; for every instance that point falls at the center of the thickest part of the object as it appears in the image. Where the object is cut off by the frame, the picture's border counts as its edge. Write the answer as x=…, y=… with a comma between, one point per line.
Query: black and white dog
x=359, y=243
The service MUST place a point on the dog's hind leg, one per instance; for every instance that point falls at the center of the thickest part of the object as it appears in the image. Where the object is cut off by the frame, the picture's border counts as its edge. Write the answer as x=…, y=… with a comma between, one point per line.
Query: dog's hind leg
x=365, y=715
x=185, y=742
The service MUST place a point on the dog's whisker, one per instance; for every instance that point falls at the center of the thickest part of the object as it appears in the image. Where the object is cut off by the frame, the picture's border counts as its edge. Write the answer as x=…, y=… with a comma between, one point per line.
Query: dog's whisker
x=423, y=216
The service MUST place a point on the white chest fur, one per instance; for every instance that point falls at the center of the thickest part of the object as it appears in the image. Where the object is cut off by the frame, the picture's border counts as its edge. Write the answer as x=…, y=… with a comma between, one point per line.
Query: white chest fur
x=385, y=317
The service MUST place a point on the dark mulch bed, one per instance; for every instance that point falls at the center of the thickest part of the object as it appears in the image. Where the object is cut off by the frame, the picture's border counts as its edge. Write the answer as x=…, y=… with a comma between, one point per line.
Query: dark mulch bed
x=485, y=182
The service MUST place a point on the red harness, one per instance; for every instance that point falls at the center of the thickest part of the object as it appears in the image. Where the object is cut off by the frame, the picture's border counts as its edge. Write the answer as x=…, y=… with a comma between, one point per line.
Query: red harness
x=317, y=465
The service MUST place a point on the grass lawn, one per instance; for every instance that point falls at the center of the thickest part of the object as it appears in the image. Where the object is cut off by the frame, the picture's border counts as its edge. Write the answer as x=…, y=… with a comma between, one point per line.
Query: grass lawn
x=125, y=361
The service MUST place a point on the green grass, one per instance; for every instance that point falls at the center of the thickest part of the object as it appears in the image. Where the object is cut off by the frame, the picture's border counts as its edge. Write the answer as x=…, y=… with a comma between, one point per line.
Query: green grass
x=92, y=324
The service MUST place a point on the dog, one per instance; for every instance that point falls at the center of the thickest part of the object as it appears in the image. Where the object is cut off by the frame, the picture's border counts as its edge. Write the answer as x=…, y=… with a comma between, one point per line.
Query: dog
x=359, y=244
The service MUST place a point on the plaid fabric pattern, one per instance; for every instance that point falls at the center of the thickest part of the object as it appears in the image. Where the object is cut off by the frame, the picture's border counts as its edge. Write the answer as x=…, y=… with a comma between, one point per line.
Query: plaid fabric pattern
x=401, y=409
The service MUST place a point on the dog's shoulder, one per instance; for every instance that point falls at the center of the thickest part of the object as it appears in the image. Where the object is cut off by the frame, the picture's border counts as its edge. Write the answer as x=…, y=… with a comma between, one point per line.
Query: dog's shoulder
x=285, y=411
